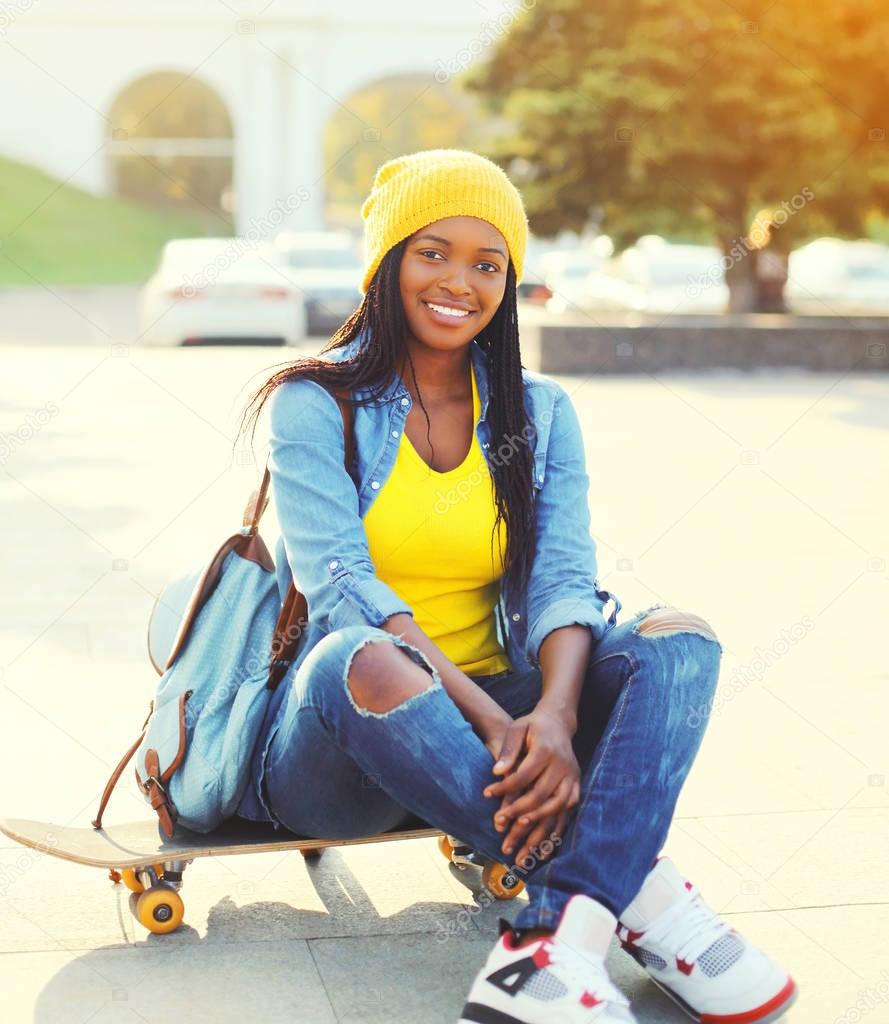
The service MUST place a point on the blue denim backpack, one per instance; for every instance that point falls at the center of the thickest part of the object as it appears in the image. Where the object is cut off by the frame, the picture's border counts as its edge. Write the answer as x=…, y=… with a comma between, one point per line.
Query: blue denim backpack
x=221, y=641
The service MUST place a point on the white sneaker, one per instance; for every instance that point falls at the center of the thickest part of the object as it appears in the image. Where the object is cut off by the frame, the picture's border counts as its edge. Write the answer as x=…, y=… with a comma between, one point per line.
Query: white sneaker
x=557, y=979
x=714, y=973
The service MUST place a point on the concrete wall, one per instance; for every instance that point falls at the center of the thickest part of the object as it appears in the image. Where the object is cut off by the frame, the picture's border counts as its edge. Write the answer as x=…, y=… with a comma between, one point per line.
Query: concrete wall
x=746, y=343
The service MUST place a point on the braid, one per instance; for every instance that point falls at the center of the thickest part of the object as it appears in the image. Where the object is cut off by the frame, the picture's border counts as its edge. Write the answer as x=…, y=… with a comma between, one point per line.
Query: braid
x=375, y=367
x=513, y=438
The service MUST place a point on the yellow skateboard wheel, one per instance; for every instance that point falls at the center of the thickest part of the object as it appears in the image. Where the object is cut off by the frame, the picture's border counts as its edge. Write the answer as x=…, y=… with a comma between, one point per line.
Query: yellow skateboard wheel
x=501, y=883
x=445, y=845
x=160, y=909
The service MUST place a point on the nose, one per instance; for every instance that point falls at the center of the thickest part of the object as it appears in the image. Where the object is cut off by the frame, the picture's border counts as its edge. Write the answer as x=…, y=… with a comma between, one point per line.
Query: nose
x=455, y=282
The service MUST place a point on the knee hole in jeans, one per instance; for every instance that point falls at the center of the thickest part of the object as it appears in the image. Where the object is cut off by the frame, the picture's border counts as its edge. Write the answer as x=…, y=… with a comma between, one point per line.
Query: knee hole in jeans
x=667, y=621
x=380, y=677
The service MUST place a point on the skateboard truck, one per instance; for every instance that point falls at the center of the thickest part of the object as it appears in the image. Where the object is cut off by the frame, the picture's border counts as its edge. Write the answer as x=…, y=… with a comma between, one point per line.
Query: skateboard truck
x=497, y=878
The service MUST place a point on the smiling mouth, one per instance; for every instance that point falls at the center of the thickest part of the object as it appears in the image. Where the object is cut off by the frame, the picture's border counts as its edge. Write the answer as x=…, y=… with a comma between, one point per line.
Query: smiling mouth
x=449, y=311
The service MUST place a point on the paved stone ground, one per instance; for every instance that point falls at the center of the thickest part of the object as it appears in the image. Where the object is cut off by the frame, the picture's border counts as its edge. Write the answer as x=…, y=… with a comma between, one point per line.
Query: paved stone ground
x=758, y=501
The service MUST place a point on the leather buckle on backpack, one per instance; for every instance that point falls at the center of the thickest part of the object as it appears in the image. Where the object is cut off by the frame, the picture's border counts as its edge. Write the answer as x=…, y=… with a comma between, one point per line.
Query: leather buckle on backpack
x=153, y=779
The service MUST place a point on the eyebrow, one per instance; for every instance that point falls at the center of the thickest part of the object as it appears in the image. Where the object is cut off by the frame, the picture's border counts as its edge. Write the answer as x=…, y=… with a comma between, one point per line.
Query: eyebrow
x=444, y=241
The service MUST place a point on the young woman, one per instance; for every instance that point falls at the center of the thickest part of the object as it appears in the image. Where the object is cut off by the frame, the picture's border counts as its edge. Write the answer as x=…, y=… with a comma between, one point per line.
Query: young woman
x=456, y=664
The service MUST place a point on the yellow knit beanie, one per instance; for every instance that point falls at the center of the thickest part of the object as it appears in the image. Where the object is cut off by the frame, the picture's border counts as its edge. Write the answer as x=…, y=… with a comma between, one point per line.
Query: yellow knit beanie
x=412, y=191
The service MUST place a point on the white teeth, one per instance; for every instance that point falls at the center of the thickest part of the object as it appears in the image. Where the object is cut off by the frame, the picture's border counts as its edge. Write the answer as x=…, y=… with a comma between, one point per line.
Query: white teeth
x=447, y=310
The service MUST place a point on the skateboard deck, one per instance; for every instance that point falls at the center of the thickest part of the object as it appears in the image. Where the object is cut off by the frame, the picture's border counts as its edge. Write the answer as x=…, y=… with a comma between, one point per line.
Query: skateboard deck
x=139, y=844
x=151, y=865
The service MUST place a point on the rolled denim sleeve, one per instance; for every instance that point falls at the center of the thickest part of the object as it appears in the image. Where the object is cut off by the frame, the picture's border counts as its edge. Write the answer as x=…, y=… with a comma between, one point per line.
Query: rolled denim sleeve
x=317, y=507
x=563, y=588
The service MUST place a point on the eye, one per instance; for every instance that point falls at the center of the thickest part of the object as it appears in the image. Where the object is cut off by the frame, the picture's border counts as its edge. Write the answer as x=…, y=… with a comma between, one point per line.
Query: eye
x=485, y=263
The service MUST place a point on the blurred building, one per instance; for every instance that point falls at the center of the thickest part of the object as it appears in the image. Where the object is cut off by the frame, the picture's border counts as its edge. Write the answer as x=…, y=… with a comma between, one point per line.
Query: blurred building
x=225, y=101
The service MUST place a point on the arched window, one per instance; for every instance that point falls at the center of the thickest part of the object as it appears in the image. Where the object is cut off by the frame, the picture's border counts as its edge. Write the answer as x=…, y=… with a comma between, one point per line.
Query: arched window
x=171, y=144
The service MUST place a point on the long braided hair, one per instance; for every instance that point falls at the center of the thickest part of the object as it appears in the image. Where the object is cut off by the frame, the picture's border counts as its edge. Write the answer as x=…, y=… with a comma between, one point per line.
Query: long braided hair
x=375, y=366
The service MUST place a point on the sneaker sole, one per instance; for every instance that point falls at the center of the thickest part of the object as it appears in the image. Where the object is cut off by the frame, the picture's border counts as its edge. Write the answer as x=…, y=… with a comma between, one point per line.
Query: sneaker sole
x=765, y=1014
x=478, y=1013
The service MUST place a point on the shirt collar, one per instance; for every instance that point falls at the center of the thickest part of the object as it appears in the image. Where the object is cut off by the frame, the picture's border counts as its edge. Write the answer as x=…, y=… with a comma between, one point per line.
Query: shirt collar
x=396, y=388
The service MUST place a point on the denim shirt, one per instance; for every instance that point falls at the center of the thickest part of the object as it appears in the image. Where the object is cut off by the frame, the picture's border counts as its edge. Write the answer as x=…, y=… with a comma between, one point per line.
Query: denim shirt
x=320, y=511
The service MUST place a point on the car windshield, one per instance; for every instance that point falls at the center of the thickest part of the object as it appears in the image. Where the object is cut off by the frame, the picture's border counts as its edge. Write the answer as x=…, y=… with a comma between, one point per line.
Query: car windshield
x=679, y=267
x=868, y=271
x=322, y=259
x=188, y=255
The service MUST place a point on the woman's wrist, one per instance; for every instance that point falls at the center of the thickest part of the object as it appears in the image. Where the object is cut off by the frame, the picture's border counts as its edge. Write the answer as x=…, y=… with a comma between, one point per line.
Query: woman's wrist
x=489, y=721
x=561, y=711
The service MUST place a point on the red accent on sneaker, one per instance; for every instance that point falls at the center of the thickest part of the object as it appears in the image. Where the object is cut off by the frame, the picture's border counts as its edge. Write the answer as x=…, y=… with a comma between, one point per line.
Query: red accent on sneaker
x=684, y=966
x=541, y=956
x=588, y=999
x=751, y=1016
x=509, y=941
x=632, y=938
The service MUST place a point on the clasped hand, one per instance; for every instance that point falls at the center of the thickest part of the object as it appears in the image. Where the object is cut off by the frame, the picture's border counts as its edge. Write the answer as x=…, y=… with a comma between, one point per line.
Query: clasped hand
x=539, y=784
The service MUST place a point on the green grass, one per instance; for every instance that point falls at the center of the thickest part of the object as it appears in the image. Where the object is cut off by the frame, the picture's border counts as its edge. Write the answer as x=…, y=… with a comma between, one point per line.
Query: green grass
x=52, y=233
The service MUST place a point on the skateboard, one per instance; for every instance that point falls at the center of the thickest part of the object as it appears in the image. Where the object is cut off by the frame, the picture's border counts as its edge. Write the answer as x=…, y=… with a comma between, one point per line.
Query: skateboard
x=151, y=866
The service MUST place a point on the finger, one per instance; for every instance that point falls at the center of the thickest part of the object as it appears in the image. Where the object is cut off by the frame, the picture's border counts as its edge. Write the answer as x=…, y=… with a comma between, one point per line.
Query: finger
x=553, y=804
x=513, y=742
x=531, y=846
x=555, y=835
x=534, y=794
x=549, y=833
x=549, y=784
x=501, y=815
x=513, y=838
x=521, y=776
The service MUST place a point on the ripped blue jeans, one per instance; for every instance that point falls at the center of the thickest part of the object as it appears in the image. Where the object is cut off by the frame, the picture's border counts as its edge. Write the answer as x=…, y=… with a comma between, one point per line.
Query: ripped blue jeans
x=338, y=770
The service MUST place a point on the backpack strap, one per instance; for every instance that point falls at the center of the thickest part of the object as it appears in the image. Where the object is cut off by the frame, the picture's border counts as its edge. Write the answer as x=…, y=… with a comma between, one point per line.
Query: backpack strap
x=118, y=771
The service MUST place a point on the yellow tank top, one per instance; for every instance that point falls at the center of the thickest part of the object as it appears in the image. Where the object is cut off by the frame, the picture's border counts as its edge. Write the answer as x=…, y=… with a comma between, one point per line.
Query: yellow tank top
x=430, y=539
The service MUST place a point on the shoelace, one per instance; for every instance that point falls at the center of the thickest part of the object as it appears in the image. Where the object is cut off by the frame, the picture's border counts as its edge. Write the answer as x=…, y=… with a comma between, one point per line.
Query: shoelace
x=583, y=972
x=688, y=928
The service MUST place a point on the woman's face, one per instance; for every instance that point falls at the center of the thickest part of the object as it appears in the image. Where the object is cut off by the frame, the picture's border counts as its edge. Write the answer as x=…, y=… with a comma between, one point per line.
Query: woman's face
x=457, y=263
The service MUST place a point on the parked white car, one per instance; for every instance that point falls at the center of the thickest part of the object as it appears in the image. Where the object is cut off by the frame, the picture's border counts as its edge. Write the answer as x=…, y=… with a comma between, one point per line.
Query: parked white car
x=327, y=267
x=674, y=278
x=218, y=291
x=833, y=275
x=583, y=284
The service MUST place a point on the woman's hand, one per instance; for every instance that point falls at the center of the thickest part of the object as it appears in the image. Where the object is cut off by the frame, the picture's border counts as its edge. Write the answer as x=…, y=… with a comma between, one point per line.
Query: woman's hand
x=541, y=779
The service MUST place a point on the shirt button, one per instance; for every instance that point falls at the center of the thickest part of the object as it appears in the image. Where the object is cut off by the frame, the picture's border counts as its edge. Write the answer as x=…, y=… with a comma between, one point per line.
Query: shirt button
x=333, y=564
x=375, y=484
x=515, y=616
x=395, y=433
x=405, y=401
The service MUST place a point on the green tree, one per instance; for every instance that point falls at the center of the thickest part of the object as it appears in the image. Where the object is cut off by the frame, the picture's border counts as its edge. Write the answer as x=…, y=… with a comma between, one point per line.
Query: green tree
x=689, y=119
